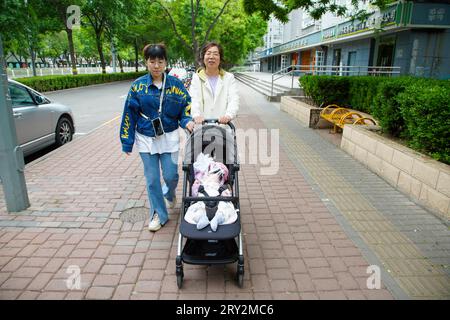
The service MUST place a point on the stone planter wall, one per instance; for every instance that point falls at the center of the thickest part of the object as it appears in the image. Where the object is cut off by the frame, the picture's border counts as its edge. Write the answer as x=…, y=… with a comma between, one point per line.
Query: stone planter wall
x=303, y=112
x=422, y=178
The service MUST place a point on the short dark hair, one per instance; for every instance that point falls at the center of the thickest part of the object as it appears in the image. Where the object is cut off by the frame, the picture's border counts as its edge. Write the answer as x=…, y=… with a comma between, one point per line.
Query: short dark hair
x=152, y=51
x=206, y=47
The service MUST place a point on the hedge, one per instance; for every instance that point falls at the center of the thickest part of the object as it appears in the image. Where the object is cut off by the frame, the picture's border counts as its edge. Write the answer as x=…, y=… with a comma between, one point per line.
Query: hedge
x=52, y=83
x=426, y=113
x=325, y=90
x=415, y=109
x=385, y=107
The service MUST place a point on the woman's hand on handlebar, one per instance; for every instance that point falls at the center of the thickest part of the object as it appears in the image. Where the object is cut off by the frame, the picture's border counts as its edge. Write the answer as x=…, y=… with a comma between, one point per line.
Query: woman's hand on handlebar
x=199, y=119
x=224, y=119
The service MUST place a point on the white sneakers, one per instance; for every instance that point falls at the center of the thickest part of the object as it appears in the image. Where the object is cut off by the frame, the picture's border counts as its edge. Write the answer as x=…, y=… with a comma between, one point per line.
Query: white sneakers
x=155, y=223
x=171, y=204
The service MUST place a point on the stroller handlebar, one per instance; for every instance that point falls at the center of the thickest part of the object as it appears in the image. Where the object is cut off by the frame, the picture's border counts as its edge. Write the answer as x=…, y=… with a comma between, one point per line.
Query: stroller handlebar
x=209, y=121
x=230, y=124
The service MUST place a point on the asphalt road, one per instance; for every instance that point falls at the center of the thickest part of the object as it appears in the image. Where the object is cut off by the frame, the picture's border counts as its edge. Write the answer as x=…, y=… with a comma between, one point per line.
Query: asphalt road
x=92, y=107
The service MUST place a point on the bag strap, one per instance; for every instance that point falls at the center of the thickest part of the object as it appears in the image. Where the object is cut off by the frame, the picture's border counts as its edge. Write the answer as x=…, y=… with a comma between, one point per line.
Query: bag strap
x=203, y=97
x=161, y=96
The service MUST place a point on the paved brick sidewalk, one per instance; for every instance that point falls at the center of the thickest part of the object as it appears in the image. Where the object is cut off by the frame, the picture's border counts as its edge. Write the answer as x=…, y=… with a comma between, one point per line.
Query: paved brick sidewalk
x=295, y=245
x=411, y=246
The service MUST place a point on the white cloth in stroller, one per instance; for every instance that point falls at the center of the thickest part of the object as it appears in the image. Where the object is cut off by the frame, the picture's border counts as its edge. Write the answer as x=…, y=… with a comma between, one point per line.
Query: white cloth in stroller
x=211, y=182
x=196, y=214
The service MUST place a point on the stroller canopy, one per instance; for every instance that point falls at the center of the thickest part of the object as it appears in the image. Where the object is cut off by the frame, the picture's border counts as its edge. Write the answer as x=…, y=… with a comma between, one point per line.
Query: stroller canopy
x=211, y=139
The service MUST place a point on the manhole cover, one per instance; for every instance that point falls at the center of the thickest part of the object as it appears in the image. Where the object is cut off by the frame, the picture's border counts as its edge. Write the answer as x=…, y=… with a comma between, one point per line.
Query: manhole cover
x=134, y=214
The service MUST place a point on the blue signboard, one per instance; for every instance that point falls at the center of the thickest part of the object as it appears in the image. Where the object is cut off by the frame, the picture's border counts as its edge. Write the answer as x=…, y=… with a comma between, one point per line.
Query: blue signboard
x=311, y=39
x=430, y=14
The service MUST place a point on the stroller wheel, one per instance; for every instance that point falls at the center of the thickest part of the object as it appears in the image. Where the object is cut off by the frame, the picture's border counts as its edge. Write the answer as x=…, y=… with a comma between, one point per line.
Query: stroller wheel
x=240, y=280
x=179, y=281
x=179, y=271
x=240, y=276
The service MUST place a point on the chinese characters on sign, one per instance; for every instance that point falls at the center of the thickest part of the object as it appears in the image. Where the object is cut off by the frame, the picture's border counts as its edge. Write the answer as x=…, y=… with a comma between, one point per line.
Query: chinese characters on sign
x=436, y=14
x=374, y=21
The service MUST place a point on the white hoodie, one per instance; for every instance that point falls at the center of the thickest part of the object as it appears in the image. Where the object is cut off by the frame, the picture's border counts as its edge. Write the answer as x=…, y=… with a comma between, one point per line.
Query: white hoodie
x=225, y=102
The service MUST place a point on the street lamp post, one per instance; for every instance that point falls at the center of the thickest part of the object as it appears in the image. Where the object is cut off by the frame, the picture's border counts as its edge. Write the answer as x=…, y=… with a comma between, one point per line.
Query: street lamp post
x=11, y=156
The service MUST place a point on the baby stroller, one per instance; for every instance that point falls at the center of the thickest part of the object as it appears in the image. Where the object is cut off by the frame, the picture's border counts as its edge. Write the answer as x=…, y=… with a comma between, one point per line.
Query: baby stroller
x=205, y=247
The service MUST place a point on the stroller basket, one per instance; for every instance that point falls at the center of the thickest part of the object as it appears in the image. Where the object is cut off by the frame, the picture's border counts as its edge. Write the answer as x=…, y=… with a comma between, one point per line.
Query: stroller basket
x=210, y=251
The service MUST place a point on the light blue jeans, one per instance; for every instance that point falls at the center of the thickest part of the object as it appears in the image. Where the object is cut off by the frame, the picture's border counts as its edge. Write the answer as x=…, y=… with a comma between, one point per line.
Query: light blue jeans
x=156, y=192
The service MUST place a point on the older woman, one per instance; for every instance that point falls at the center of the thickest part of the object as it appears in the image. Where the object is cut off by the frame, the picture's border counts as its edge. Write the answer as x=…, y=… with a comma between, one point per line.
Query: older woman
x=157, y=104
x=213, y=90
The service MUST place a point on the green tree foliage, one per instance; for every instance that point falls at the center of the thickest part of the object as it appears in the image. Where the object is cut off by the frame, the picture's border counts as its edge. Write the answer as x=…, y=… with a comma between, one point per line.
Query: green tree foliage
x=103, y=16
x=22, y=24
x=241, y=35
x=196, y=22
x=57, y=9
x=38, y=29
x=316, y=8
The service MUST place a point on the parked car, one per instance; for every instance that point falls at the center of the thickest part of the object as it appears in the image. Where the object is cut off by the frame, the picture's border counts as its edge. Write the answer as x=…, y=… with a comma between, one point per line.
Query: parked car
x=39, y=121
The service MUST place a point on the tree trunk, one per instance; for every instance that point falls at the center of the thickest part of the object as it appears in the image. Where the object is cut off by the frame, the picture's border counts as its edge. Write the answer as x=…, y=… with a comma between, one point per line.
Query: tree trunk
x=194, y=39
x=100, y=51
x=72, y=51
x=33, y=61
x=136, y=55
x=120, y=63
x=66, y=56
x=196, y=53
x=44, y=62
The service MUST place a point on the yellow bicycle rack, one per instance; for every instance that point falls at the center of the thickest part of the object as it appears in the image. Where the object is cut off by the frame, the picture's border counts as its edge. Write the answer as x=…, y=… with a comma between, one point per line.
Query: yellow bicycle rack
x=363, y=120
x=339, y=116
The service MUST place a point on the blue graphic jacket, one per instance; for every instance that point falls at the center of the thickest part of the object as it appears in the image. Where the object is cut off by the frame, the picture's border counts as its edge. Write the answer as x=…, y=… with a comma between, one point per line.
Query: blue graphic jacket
x=143, y=97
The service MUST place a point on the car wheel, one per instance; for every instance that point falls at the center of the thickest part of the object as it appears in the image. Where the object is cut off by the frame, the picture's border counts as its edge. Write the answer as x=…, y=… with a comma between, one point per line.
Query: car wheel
x=64, y=131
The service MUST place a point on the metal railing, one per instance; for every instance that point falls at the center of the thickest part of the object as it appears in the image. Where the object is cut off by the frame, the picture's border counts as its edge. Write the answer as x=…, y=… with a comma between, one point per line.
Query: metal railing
x=300, y=70
x=28, y=72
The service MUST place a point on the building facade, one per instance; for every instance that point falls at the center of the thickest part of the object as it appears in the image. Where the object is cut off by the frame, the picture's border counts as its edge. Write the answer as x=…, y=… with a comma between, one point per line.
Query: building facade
x=411, y=36
x=274, y=35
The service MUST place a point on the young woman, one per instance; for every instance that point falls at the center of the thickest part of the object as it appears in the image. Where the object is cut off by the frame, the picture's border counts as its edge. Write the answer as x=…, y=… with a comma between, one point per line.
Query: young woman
x=213, y=90
x=157, y=104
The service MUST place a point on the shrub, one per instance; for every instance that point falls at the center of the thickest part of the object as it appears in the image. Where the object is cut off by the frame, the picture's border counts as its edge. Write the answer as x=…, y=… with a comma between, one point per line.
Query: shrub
x=386, y=109
x=325, y=89
x=426, y=113
x=416, y=109
x=52, y=83
x=362, y=91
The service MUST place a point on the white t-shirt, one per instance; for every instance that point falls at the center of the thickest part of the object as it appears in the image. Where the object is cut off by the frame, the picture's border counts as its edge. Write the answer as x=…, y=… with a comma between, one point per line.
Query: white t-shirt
x=167, y=143
x=213, y=83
